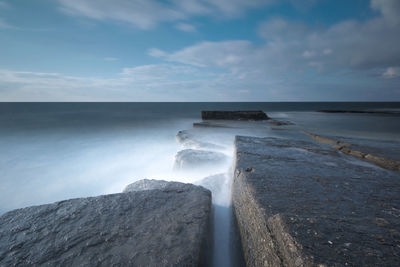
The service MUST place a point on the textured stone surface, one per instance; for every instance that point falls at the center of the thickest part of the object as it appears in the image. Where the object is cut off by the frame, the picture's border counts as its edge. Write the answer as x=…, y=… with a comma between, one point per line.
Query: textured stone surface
x=377, y=152
x=162, y=227
x=234, y=115
x=191, y=159
x=151, y=184
x=301, y=203
x=189, y=141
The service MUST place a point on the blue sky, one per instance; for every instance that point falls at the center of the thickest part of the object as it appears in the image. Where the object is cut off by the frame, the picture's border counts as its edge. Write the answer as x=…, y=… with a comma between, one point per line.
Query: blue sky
x=199, y=50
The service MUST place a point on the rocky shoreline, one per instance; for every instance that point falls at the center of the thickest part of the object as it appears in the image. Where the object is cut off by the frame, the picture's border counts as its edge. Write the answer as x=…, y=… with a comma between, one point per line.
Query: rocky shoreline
x=296, y=201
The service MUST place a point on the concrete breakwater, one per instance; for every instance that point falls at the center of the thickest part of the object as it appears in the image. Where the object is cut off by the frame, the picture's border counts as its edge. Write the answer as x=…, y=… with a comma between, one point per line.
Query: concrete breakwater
x=299, y=203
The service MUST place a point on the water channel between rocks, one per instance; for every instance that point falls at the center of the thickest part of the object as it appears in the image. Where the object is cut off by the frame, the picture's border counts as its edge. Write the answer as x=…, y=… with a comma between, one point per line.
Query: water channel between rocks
x=208, y=151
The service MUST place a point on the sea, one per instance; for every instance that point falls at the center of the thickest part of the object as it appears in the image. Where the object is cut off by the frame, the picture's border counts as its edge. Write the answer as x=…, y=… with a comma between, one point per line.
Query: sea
x=56, y=151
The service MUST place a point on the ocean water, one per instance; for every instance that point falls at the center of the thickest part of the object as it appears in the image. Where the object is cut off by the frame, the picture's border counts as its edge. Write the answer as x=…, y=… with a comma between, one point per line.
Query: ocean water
x=56, y=151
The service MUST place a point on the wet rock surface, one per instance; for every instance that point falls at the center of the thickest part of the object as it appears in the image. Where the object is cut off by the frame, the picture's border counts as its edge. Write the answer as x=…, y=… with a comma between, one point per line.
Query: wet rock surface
x=279, y=122
x=189, y=141
x=385, y=154
x=193, y=159
x=301, y=203
x=234, y=115
x=152, y=184
x=161, y=227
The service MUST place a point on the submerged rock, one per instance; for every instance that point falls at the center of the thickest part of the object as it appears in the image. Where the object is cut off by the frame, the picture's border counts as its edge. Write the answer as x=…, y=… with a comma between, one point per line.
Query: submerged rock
x=254, y=115
x=189, y=141
x=279, y=123
x=191, y=158
x=301, y=203
x=168, y=226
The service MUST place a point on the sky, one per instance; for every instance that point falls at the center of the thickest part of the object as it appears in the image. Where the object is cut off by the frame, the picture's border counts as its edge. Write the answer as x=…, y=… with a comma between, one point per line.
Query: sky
x=200, y=50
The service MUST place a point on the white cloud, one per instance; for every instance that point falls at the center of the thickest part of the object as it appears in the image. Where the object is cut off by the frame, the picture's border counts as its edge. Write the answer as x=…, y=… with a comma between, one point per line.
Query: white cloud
x=208, y=54
x=155, y=52
x=391, y=72
x=185, y=27
x=159, y=82
x=362, y=45
x=145, y=14
x=390, y=9
x=234, y=7
x=346, y=54
x=349, y=60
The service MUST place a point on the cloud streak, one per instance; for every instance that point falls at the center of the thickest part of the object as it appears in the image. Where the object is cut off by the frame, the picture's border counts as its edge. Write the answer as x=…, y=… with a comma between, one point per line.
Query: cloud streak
x=158, y=82
x=146, y=14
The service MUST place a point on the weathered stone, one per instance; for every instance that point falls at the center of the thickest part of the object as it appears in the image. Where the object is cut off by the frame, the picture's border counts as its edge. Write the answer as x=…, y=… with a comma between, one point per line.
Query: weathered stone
x=147, y=184
x=191, y=158
x=326, y=140
x=359, y=151
x=300, y=203
x=162, y=227
x=234, y=115
x=189, y=141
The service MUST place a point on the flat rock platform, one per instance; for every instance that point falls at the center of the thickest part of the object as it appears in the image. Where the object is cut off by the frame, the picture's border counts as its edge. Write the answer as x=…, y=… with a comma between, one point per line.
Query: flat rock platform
x=301, y=203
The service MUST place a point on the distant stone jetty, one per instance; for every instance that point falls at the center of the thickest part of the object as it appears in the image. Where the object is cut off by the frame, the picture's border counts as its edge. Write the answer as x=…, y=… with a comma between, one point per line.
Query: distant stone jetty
x=154, y=223
x=234, y=115
x=240, y=115
x=359, y=111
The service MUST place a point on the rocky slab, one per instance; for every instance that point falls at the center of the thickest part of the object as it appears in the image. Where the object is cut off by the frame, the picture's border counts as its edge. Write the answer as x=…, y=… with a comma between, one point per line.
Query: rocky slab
x=254, y=115
x=159, y=227
x=301, y=203
x=193, y=159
